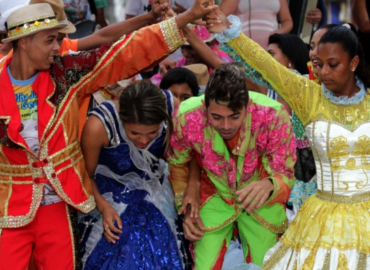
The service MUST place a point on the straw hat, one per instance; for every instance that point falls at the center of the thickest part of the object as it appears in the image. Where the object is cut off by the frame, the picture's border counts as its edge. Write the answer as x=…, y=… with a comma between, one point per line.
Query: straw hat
x=30, y=20
x=202, y=33
x=201, y=73
x=111, y=92
x=58, y=7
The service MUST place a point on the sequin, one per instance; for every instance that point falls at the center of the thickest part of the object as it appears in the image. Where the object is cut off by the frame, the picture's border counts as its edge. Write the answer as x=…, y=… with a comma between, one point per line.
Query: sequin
x=146, y=241
x=151, y=246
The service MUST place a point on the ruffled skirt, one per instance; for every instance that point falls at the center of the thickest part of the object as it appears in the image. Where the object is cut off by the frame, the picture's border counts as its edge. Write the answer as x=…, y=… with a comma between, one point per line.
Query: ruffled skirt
x=324, y=235
x=148, y=239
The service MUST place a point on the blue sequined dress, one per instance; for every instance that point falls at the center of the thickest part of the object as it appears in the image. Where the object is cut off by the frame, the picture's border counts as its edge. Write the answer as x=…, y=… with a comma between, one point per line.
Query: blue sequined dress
x=134, y=181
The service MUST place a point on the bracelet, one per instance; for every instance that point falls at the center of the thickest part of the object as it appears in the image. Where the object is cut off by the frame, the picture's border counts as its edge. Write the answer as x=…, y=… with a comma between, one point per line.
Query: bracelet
x=232, y=32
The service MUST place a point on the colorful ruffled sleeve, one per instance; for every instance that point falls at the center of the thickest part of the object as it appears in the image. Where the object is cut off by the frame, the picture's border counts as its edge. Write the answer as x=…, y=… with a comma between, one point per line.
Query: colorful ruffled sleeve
x=300, y=93
x=178, y=158
x=249, y=72
x=125, y=58
x=280, y=156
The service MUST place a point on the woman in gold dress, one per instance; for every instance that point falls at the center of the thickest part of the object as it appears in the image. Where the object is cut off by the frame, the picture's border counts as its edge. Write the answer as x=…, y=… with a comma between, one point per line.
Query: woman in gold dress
x=332, y=229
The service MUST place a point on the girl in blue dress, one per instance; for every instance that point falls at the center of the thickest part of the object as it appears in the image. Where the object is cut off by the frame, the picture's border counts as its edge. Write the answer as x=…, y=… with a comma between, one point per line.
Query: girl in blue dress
x=123, y=143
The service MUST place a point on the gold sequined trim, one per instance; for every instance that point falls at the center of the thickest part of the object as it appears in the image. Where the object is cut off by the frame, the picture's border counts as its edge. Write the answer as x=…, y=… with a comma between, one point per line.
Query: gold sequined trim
x=278, y=229
x=33, y=19
x=226, y=222
x=207, y=200
x=65, y=133
x=275, y=258
x=72, y=238
x=215, y=178
x=6, y=206
x=81, y=180
x=32, y=28
x=84, y=206
x=328, y=196
x=290, y=260
x=224, y=194
x=326, y=265
x=12, y=182
x=67, y=156
x=11, y=166
x=350, y=128
x=329, y=159
x=172, y=34
x=58, y=158
x=20, y=221
x=74, y=145
x=15, y=171
x=362, y=261
x=317, y=153
x=51, y=120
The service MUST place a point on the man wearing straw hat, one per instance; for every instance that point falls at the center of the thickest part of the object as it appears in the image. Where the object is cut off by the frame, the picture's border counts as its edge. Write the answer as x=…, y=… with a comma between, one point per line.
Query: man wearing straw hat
x=106, y=35
x=39, y=127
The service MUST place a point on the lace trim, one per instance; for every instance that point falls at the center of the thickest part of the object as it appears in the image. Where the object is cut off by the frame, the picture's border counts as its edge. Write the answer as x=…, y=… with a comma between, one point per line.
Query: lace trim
x=345, y=100
x=328, y=196
x=231, y=33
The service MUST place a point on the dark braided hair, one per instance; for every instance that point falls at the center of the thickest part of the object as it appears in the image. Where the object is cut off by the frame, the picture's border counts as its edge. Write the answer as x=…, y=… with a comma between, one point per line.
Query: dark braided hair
x=351, y=45
x=294, y=48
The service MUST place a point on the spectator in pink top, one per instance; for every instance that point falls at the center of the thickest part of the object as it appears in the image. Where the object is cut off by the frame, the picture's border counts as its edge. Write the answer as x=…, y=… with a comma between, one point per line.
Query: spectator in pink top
x=260, y=17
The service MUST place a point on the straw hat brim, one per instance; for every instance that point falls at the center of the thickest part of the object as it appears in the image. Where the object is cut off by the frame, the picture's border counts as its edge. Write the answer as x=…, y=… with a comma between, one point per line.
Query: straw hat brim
x=211, y=37
x=200, y=71
x=70, y=29
x=59, y=26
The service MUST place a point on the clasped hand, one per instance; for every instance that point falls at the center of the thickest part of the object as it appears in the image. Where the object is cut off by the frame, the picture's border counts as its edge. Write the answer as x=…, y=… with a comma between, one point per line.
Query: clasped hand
x=255, y=194
x=110, y=216
x=199, y=9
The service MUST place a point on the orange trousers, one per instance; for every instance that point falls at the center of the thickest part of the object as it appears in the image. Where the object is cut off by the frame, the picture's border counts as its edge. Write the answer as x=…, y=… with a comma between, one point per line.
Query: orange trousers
x=49, y=237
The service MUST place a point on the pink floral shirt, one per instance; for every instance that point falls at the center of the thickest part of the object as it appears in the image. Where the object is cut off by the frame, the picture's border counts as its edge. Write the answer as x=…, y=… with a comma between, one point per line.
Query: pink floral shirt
x=266, y=144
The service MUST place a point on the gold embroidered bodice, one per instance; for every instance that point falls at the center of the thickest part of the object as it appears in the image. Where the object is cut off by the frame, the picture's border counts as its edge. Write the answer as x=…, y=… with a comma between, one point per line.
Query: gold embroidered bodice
x=339, y=134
